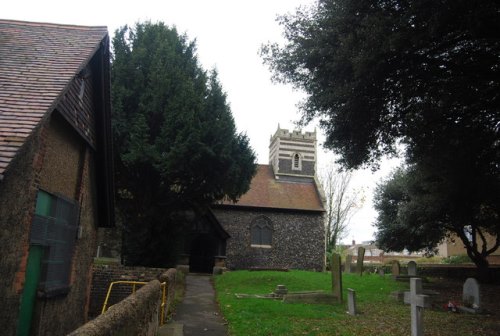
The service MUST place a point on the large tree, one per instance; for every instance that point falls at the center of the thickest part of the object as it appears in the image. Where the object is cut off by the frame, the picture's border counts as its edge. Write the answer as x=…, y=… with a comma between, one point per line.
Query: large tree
x=176, y=144
x=421, y=74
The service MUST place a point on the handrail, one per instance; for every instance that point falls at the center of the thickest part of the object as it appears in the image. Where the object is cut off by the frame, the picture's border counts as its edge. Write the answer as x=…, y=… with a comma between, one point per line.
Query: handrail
x=134, y=283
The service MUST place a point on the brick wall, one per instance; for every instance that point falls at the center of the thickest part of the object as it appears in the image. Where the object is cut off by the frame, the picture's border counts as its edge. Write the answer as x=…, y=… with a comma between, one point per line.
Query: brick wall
x=297, y=240
x=103, y=275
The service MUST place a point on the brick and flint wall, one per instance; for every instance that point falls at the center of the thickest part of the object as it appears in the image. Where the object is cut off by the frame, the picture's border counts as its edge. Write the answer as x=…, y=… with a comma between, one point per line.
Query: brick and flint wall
x=297, y=239
x=58, y=161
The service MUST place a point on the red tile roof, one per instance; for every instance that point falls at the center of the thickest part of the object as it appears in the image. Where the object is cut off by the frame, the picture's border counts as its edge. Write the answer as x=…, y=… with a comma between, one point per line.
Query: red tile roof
x=37, y=62
x=268, y=192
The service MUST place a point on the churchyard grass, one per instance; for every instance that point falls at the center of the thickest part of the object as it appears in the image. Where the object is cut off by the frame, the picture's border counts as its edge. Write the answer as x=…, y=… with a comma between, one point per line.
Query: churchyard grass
x=380, y=314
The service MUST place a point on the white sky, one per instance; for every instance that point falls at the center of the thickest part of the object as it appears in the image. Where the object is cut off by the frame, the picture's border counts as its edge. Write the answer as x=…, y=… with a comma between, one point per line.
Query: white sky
x=229, y=34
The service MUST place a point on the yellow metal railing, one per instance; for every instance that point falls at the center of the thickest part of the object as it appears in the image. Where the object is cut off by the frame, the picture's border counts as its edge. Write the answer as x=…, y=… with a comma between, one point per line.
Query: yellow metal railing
x=134, y=284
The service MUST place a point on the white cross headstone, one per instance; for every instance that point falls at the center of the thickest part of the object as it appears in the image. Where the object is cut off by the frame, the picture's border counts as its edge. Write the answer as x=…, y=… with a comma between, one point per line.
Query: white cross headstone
x=418, y=302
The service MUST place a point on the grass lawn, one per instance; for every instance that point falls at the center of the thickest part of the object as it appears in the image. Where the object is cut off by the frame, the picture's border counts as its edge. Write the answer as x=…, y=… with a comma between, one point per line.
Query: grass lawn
x=381, y=315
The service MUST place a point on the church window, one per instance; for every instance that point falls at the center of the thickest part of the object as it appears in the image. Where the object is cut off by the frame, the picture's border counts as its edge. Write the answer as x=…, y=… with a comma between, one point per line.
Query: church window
x=261, y=232
x=296, y=162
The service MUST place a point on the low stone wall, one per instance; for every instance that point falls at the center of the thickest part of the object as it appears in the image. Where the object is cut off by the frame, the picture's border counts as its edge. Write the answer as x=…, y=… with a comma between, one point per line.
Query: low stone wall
x=437, y=270
x=169, y=277
x=135, y=315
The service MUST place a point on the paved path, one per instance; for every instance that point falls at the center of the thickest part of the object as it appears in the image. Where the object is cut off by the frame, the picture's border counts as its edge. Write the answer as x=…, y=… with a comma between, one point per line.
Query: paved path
x=198, y=313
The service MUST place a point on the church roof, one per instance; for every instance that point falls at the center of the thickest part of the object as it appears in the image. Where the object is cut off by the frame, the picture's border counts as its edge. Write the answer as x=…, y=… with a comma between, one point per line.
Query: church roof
x=37, y=62
x=268, y=192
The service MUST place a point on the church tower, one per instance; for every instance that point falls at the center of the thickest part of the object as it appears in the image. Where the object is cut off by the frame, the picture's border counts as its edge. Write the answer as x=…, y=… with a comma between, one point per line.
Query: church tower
x=292, y=155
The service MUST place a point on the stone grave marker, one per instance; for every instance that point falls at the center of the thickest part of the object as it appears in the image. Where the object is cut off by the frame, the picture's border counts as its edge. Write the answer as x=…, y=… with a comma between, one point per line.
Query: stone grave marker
x=412, y=268
x=351, y=302
x=471, y=296
x=336, y=276
x=348, y=263
x=381, y=272
x=396, y=268
x=418, y=302
x=360, y=260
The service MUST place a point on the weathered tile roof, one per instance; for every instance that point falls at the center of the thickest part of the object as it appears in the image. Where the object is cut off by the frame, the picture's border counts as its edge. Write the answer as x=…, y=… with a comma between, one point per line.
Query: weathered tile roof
x=268, y=192
x=37, y=62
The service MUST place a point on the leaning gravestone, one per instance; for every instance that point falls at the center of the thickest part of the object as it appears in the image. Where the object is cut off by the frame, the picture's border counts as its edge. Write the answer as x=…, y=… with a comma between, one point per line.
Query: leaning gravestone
x=471, y=296
x=412, y=268
x=396, y=268
x=359, y=262
x=336, y=276
x=351, y=302
x=348, y=263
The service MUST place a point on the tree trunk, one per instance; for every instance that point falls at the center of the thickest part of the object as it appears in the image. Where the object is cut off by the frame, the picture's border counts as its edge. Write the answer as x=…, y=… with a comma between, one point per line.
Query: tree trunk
x=483, y=271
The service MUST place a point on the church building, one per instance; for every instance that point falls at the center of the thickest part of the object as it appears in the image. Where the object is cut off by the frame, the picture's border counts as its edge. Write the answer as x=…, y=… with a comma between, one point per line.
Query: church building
x=277, y=224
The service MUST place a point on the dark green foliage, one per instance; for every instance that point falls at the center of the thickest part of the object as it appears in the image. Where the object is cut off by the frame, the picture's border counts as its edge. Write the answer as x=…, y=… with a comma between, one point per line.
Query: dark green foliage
x=421, y=74
x=419, y=206
x=176, y=143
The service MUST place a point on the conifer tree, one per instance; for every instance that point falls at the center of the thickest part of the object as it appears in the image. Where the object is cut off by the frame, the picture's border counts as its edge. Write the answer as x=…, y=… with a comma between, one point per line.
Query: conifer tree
x=176, y=144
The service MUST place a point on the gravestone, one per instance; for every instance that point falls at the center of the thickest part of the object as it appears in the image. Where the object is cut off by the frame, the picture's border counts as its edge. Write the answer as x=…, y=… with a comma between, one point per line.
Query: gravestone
x=348, y=263
x=336, y=276
x=412, y=268
x=360, y=260
x=281, y=290
x=351, y=302
x=381, y=272
x=396, y=268
x=470, y=295
x=418, y=302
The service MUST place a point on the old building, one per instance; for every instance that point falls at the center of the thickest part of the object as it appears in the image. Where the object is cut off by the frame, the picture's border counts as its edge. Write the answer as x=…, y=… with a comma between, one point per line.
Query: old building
x=278, y=223
x=55, y=171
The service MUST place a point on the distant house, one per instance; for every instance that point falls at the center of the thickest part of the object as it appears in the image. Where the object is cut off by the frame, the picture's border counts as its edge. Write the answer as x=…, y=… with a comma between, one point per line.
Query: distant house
x=56, y=183
x=453, y=246
x=278, y=223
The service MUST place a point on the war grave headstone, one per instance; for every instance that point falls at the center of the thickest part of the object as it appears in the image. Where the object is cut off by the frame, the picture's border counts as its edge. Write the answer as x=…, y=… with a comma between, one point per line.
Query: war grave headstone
x=360, y=260
x=412, y=268
x=471, y=297
x=418, y=302
x=348, y=264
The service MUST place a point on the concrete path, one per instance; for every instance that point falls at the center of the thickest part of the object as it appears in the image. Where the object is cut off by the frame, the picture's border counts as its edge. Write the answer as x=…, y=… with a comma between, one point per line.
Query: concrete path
x=198, y=314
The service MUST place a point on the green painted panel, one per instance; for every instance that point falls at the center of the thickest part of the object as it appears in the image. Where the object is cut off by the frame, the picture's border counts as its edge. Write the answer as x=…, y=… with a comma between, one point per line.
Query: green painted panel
x=43, y=204
x=33, y=270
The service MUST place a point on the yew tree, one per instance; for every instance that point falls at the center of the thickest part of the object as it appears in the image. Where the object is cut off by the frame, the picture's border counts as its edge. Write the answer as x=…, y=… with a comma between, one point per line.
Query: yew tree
x=420, y=76
x=176, y=144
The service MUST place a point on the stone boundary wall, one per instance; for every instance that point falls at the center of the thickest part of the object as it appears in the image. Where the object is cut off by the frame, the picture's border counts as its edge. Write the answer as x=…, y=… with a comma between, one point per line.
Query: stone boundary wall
x=103, y=275
x=438, y=270
x=135, y=315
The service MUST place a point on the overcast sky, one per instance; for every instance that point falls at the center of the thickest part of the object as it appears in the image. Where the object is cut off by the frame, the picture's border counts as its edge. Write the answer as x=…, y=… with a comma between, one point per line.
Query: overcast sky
x=229, y=34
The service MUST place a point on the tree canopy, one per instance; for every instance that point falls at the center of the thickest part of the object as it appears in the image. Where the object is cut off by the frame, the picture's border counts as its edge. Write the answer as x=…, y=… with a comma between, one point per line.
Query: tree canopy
x=419, y=75
x=175, y=138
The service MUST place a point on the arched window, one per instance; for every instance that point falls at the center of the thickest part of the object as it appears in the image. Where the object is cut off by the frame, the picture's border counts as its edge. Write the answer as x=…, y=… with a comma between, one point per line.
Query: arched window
x=296, y=162
x=261, y=232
